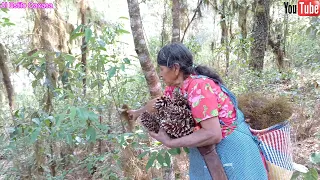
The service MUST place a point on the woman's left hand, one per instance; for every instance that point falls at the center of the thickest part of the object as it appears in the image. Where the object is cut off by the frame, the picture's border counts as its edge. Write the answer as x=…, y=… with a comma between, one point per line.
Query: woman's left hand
x=162, y=137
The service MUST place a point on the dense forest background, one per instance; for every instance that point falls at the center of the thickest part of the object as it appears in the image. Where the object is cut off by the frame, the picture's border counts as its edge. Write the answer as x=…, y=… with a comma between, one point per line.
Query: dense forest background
x=66, y=73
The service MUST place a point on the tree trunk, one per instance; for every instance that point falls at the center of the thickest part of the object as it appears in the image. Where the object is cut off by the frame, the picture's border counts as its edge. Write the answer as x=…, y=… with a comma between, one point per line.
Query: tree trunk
x=175, y=21
x=141, y=49
x=49, y=37
x=242, y=23
x=142, y=52
x=286, y=32
x=278, y=52
x=6, y=75
x=51, y=74
x=164, y=34
x=83, y=7
x=224, y=33
x=259, y=34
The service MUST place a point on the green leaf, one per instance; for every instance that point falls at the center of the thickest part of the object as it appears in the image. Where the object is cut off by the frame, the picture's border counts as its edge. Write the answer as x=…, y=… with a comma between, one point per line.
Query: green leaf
x=142, y=155
x=160, y=159
x=101, y=43
x=88, y=34
x=59, y=119
x=315, y=158
x=10, y=24
x=74, y=36
x=77, y=29
x=112, y=71
x=122, y=31
x=73, y=111
x=174, y=151
x=47, y=122
x=91, y=134
x=102, y=48
x=69, y=58
x=36, y=120
x=157, y=143
x=122, y=67
x=6, y=20
x=94, y=84
x=34, y=83
x=167, y=159
x=122, y=17
x=151, y=160
x=126, y=60
x=92, y=116
x=122, y=141
x=82, y=114
x=16, y=114
x=312, y=174
x=69, y=139
x=295, y=175
x=4, y=10
x=35, y=134
x=186, y=150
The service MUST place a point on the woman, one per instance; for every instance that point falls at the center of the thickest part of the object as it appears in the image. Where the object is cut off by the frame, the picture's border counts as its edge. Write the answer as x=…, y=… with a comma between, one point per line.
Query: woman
x=217, y=116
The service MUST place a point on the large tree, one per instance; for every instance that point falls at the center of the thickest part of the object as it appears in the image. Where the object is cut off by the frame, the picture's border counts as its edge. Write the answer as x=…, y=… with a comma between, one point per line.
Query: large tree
x=83, y=14
x=175, y=21
x=142, y=50
x=242, y=23
x=259, y=34
x=6, y=75
x=50, y=37
x=144, y=58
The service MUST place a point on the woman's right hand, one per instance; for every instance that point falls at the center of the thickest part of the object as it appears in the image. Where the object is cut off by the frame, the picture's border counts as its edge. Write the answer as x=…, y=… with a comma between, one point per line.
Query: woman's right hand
x=133, y=114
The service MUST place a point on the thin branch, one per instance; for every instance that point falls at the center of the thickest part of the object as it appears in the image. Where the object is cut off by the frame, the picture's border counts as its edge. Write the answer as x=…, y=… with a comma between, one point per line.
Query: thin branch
x=117, y=108
x=193, y=17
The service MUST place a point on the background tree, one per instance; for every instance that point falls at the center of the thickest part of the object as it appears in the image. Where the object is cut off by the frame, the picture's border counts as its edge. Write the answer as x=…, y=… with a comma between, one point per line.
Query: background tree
x=6, y=76
x=242, y=23
x=259, y=34
x=175, y=21
x=142, y=50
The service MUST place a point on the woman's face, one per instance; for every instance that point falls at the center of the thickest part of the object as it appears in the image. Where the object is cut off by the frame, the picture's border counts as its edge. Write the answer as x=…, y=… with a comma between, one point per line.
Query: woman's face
x=169, y=75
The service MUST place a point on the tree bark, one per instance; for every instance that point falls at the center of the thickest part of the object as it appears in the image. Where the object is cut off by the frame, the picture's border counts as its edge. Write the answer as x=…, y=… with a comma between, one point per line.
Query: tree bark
x=242, y=23
x=6, y=76
x=47, y=38
x=164, y=34
x=259, y=34
x=83, y=7
x=224, y=34
x=286, y=32
x=141, y=49
x=278, y=52
x=175, y=21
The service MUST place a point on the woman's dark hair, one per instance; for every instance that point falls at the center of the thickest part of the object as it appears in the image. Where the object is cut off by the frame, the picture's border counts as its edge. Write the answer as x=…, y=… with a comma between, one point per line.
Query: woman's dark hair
x=177, y=53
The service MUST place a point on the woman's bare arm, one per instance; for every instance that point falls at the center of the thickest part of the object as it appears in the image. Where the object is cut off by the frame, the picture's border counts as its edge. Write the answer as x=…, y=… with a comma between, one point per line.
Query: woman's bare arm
x=209, y=134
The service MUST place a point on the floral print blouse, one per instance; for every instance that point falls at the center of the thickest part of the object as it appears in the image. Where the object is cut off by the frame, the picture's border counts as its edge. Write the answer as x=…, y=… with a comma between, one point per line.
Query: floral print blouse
x=207, y=100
